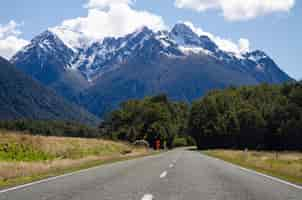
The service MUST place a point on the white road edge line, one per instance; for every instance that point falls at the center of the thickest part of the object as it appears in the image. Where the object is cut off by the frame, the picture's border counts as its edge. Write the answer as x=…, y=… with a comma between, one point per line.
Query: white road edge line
x=61, y=176
x=45, y=180
x=164, y=174
x=260, y=174
x=147, y=197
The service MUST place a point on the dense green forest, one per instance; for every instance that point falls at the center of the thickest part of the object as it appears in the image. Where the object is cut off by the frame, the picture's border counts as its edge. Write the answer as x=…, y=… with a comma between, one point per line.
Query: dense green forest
x=150, y=119
x=264, y=117
x=51, y=128
x=256, y=117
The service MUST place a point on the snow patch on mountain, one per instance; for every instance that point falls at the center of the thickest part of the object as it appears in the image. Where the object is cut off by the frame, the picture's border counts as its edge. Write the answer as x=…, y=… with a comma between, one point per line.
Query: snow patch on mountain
x=93, y=59
x=73, y=40
x=194, y=50
x=256, y=56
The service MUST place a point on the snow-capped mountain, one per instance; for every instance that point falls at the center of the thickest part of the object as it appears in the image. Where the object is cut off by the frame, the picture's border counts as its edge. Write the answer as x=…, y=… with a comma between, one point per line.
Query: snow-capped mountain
x=48, y=60
x=103, y=56
x=43, y=47
x=81, y=71
x=185, y=37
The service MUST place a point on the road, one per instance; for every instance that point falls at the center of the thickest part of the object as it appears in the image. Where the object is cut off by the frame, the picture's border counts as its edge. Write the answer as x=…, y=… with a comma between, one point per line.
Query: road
x=176, y=175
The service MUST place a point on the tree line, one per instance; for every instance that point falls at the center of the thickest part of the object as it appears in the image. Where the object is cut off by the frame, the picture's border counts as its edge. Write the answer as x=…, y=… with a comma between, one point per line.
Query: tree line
x=51, y=128
x=266, y=117
x=150, y=119
x=263, y=117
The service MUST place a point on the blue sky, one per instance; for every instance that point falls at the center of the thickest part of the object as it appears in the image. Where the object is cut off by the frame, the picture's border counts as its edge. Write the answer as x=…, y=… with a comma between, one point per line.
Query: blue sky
x=276, y=30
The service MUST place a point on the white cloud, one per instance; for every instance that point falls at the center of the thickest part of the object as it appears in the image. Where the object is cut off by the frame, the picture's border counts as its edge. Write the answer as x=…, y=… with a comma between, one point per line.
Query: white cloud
x=236, y=10
x=228, y=45
x=117, y=18
x=10, y=42
x=198, y=5
x=103, y=4
x=244, y=45
x=8, y=29
x=109, y=18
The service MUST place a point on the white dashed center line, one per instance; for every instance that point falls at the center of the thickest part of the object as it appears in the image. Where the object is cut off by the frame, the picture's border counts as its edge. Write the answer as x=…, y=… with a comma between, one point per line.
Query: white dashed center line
x=171, y=166
x=147, y=197
x=164, y=174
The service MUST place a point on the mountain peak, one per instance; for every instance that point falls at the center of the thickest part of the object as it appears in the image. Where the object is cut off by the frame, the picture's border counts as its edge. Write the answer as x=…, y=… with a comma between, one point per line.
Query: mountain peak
x=183, y=29
x=185, y=36
x=45, y=36
x=142, y=31
x=47, y=41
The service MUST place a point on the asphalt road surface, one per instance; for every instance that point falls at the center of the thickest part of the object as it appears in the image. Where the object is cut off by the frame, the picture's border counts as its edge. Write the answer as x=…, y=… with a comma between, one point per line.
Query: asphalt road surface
x=176, y=175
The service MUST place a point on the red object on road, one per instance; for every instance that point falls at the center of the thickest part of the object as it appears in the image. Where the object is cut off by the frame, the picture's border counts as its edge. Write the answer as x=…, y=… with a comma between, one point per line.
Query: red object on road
x=157, y=144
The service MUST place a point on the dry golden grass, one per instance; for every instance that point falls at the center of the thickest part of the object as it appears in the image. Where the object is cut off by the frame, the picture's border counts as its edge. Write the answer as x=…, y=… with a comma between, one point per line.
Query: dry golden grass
x=65, y=147
x=287, y=165
x=65, y=153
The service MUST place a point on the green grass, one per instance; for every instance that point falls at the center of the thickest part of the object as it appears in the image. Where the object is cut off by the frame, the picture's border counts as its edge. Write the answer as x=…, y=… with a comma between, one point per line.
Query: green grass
x=16, y=146
x=283, y=165
x=27, y=158
x=56, y=172
x=22, y=152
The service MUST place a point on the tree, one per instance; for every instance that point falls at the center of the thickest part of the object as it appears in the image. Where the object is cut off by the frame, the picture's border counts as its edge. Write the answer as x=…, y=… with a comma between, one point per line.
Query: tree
x=149, y=119
x=255, y=117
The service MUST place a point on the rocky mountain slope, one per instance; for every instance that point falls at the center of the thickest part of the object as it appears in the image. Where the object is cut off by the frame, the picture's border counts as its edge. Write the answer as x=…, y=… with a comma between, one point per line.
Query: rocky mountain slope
x=23, y=98
x=179, y=62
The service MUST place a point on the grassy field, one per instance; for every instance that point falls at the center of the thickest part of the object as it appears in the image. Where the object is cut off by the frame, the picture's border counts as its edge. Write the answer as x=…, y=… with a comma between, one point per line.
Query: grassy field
x=25, y=158
x=284, y=165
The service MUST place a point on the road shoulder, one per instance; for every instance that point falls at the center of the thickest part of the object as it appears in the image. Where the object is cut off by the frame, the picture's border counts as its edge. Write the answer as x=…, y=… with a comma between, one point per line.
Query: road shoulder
x=21, y=182
x=250, y=168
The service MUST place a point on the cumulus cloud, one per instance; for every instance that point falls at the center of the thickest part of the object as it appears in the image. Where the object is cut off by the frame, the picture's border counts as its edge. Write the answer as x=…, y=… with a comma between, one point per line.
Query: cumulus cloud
x=108, y=18
x=236, y=10
x=10, y=41
x=103, y=4
x=117, y=18
x=242, y=46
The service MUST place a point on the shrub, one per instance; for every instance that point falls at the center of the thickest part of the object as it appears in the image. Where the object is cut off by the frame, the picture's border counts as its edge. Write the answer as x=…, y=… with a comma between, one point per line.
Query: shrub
x=21, y=152
x=180, y=142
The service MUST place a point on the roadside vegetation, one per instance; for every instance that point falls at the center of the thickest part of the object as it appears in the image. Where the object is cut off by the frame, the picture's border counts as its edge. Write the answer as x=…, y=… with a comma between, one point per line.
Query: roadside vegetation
x=285, y=165
x=25, y=158
x=260, y=118
x=258, y=127
x=265, y=117
x=150, y=119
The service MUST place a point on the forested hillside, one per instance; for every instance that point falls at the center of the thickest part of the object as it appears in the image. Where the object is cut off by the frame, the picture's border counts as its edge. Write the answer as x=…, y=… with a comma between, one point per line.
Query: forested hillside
x=258, y=117
x=51, y=128
x=24, y=98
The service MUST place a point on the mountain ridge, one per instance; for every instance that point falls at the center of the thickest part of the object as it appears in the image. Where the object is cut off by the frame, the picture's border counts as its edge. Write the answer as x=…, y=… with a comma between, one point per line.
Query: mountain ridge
x=89, y=60
x=77, y=73
x=24, y=98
